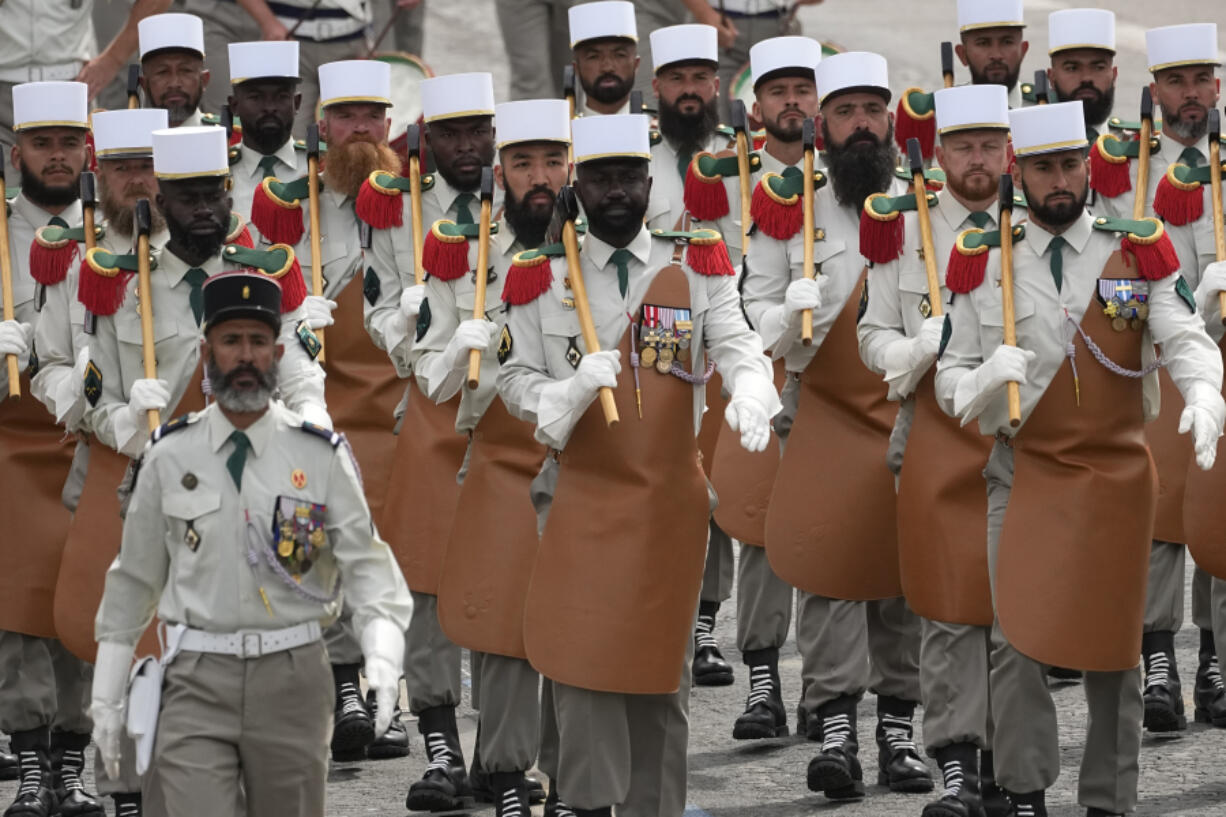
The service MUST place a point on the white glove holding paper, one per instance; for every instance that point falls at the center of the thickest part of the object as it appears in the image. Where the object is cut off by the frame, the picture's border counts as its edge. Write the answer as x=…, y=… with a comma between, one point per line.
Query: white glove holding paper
x=906, y=361
x=754, y=402
x=1203, y=415
x=983, y=384
x=108, y=699
x=383, y=646
x=470, y=334
x=319, y=311
x=16, y=338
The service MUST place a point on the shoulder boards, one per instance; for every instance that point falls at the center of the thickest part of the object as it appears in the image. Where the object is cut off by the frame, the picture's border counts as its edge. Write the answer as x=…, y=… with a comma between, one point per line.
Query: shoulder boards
x=54, y=238
x=1180, y=197
x=53, y=250
x=1019, y=201
x=709, y=167
x=237, y=232
x=333, y=438
x=918, y=103
x=210, y=119
x=291, y=193
x=110, y=264
x=103, y=280
x=725, y=130
x=11, y=191
x=444, y=253
x=881, y=230
x=177, y=424
x=934, y=177
x=706, y=254
x=654, y=137
x=1115, y=150
x=390, y=184
x=1115, y=123
x=1146, y=240
x=1142, y=228
x=968, y=261
x=775, y=205
x=531, y=274
x=1031, y=97
x=976, y=242
x=276, y=261
x=704, y=193
x=883, y=207
x=300, y=144
x=379, y=199
x=1109, y=165
x=235, y=153
x=915, y=118
x=276, y=209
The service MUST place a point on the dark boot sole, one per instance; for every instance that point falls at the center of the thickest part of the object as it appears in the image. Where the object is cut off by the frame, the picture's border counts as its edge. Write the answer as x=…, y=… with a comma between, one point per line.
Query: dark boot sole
x=94, y=810
x=908, y=785
x=1200, y=715
x=753, y=730
x=350, y=739
x=434, y=800
x=855, y=791
x=386, y=751
x=1160, y=718
x=714, y=679
x=830, y=776
x=946, y=809
x=9, y=774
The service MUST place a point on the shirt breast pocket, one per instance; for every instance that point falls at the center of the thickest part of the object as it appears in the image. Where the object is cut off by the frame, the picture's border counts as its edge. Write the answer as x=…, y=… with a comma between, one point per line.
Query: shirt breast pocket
x=191, y=517
x=563, y=345
x=127, y=327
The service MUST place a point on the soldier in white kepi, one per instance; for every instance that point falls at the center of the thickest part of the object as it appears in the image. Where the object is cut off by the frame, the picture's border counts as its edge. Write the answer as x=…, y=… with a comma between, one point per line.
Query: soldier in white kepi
x=1081, y=43
x=172, y=69
x=993, y=43
x=604, y=41
x=243, y=522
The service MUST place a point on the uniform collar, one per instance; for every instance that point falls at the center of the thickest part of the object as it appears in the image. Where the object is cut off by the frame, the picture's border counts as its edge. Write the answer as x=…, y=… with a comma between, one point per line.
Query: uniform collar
x=625, y=108
x=38, y=217
x=505, y=240
x=598, y=252
x=287, y=155
x=259, y=432
x=956, y=213
x=448, y=194
x=1172, y=150
x=193, y=121
x=769, y=163
x=173, y=268
x=1077, y=236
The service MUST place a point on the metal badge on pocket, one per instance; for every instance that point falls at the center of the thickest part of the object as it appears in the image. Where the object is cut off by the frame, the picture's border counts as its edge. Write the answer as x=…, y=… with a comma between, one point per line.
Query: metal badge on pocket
x=298, y=530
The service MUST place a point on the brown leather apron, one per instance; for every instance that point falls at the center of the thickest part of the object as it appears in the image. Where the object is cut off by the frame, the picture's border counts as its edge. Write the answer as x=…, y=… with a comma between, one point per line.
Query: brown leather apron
x=1073, y=558
x=35, y=459
x=1204, y=524
x=1172, y=454
x=362, y=391
x=743, y=481
x=831, y=527
x=942, y=513
x=422, y=491
x=94, y=537
x=489, y=557
x=616, y=581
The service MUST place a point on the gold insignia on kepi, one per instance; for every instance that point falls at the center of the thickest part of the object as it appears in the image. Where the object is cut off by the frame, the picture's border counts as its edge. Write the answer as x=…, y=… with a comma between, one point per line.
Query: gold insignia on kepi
x=298, y=478
x=189, y=481
x=246, y=293
x=504, y=345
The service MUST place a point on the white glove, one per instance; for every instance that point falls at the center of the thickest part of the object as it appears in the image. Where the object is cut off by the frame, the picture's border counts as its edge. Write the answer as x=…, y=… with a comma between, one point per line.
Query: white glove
x=147, y=395
x=314, y=413
x=318, y=311
x=410, y=301
x=383, y=648
x=470, y=334
x=597, y=370
x=1203, y=415
x=978, y=388
x=754, y=401
x=15, y=339
x=906, y=361
x=804, y=293
x=1212, y=280
x=108, y=699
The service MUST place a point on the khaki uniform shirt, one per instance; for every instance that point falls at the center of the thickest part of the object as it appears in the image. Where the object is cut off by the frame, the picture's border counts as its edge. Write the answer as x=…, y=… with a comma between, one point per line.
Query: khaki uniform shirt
x=1042, y=318
x=247, y=174
x=532, y=379
x=190, y=535
x=115, y=349
x=773, y=264
x=451, y=303
x=1167, y=154
x=667, y=203
x=45, y=39
x=1197, y=249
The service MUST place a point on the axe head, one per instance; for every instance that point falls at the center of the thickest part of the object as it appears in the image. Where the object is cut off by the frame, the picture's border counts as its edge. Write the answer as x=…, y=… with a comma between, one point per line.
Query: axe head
x=1147, y=105
x=487, y=184
x=565, y=208
x=312, y=141
x=227, y=120
x=915, y=157
x=568, y=81
x=738, y=119
x=1040, y=86
x=947, y=59
x=143, y=219
x=1006, y=192
x=413, y=138
x=89, y=189
x=1215, y=125
x=636, y=102
x=808, y=134
x=134, y=79
x=1, y=165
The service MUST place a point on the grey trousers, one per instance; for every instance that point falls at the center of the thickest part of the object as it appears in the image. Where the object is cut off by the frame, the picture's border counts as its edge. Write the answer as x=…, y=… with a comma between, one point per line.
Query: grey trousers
x=717, y=574
x=408, y=31
x=763, y=603
x=1165, y=587
x=954, y=685
x=341, y=641
x=232, y=728
x=510, y=713
x=547, y=758
x=42, y=684
x=627, y=751
x=1026, y=742
x=431, y=661
x=752, y=30
x=537, y=38
x=1218, y=604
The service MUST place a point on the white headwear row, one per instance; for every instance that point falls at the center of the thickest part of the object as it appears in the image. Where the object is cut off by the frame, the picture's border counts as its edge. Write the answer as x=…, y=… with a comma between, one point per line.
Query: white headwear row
x=601, y=20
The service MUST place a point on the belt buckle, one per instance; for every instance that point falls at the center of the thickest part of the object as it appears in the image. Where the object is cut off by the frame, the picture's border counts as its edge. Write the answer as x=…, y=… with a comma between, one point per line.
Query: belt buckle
x=251, y=645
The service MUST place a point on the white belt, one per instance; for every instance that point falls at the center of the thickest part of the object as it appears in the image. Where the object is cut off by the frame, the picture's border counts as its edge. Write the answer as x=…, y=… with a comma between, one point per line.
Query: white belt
x=250, y=643
x=322, y=30
x=41, y=73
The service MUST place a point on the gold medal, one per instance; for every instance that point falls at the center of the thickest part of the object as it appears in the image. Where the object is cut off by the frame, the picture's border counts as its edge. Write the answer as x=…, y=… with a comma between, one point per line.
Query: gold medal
x=648, y=356
x=316, y=538
x=1143, y=311
x=285, y=548
x=665, y=363
x=1135, y=323
x=1119, y=324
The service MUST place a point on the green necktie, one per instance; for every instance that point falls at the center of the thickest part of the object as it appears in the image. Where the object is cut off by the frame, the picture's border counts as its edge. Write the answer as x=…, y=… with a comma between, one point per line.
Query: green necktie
x=196, y=277
x=1057, y=260
x=236, y=460
x=268, y=166
x=462, y=214
x=622, y=259
x=980, y=219
x=56, y=221
x=1191, y=157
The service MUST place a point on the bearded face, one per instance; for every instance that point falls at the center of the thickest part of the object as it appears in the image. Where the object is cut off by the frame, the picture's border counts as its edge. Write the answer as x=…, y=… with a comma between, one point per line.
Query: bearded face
x=349, y=164
x=861, y=165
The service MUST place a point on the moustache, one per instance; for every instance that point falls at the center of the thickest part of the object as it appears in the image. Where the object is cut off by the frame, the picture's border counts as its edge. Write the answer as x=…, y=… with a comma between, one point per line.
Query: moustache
x=690, y=98
x=241, y=370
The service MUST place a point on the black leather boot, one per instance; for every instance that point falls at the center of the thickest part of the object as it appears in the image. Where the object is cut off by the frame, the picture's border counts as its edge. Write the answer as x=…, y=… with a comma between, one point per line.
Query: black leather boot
x=1093, y=811
x=1163, y=697
x=1031, y=804
x=35, y=796
x=607, y=811
x=835, y=771
x=1210, y=693
x=554, y=807
x=352, y=728
x=995, y=801
x=899, y=765
x=444, y=786
x=395, y=741
x=710, y=668
x=510, y=794
x=9, y=767
x=68, y=776
x=1064, y=675
x=764, y=716
x=127, y=805
x=959, y=764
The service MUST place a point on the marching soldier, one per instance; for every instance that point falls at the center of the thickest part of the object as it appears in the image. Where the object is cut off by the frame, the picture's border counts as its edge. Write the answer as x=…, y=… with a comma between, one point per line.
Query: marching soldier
x=1068, y=591
x=172, y=71
x=786, y=96
x=42, y=686
x=264, y=96
x=243, y=710
x=533, y=136
x=459, y=112
x=621, y=693
x=1183, y=62
x=604, y=41
x=855, y=618
x=362, y=388
x=943, y=562
x=1081, y=43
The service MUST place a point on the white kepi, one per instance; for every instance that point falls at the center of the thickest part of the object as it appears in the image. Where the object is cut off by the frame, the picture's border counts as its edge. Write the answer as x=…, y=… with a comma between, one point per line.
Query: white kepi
x=532, y=120
x=977, y=14
x=1048, y=128
x=780, y=54
x=190, y=153
x=1070, y=29
x=853, y=71
x=270, y=59
x=355, y=81
x=159, y=31
x=613, y=136
x=453, y=96
x=692, y=41
x=972, y=107
x=50, y=105
x=1177, y=46
x=127, y=134
x=606, y=18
